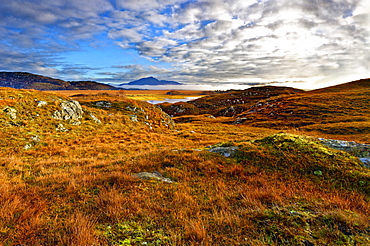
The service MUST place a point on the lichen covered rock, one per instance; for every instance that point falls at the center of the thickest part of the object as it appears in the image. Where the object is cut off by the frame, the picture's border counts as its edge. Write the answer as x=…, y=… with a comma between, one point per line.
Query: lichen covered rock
x=69, y=110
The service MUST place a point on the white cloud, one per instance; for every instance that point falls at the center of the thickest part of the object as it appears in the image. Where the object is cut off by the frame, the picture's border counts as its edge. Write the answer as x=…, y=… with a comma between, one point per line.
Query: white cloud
x=207, y=40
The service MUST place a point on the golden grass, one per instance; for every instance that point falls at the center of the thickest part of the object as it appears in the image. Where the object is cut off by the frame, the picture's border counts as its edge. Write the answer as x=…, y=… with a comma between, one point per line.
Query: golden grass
x=78, y=188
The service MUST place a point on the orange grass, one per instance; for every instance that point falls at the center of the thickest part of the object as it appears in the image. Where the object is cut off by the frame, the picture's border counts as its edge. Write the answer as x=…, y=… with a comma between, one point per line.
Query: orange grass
x=78, y=188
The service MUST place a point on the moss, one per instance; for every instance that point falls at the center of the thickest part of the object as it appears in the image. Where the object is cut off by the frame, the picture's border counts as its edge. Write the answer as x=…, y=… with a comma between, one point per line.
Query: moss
x=133, y=233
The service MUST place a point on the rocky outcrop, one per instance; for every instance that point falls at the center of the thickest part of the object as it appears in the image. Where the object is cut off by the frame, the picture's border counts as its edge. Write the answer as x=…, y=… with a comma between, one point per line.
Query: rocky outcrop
x=61, y=128
x=69, y=110
x=11, y=112
x=362, y=151
x=93, y=117
x=41, y=103
x=225, y=151
x=155, y=176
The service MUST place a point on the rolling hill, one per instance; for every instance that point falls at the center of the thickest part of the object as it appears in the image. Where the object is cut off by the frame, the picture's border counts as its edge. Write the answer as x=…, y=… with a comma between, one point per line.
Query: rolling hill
x=337, y=109
x=227, y=104
x=107, y=170
x=21, y=80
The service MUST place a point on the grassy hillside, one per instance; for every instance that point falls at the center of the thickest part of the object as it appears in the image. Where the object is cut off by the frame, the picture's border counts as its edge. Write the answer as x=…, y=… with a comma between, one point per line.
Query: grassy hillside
x=338, y=110
x=22, y=80
x=81, y=185
x=227, y=104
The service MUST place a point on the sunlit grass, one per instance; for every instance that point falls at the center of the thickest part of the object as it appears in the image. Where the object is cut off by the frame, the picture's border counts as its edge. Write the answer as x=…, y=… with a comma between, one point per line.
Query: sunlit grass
x=78, y=188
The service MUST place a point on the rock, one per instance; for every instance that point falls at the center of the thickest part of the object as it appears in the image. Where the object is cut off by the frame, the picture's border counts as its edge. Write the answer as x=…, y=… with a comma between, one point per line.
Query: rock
x=133, y=118
x=104, y=104
x=27, y=146
x=152, y=176
x=75, y=122
x=225, y=151
x=93, y=117
x=240, y=120
x=133, y=108
x=61, y=128
x=11, y=112
x=69, y=110
x=366, y=161
x=36, y=139
x=149, y=125
x=41, y=103
x=362, y=151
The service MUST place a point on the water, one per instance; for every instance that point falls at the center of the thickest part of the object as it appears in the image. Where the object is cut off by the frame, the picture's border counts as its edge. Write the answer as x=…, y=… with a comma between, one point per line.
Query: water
x=186, y=99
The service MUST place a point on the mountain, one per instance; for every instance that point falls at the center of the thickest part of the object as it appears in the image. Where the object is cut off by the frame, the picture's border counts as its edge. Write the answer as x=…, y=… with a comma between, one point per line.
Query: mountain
x=22, y=80
x=90, y=85
x=151, y=81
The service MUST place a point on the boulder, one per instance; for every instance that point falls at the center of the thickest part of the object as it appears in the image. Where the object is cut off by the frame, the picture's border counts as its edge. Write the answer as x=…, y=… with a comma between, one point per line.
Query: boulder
x=225, y=151
x=41, y=103
x=362, y=151
x=93, y=117
x=69, y=110
x=103, y=104
x=61, y=128
x=133, y=118
x=155, y=176
x=11, y=112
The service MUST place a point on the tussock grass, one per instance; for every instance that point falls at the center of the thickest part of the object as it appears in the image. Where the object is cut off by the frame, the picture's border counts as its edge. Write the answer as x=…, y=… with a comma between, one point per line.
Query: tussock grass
x=78, y=187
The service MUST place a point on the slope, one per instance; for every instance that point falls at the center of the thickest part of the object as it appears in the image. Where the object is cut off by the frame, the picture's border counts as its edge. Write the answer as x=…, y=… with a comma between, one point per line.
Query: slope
x=338, y=110
x=85, y=183
x=21, y=80
x=227, y=104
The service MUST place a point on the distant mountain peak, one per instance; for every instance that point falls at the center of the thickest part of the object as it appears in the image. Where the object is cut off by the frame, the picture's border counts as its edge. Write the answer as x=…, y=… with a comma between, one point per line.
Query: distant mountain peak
x=151, y=81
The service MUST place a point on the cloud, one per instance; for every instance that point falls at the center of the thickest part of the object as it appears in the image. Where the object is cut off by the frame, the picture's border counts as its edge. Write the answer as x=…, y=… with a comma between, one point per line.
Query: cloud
x=202, y=40
x=268, y=39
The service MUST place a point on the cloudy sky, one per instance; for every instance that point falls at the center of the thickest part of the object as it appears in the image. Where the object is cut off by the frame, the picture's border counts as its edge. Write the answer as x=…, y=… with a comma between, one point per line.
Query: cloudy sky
x=221, y=43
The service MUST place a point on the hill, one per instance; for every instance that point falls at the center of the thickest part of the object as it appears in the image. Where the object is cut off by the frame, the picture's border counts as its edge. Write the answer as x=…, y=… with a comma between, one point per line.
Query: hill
x=227, y=104
x=106, y=170
x=349, y=86
x=21, y=80
x=151, y=81
x=90, y=85
x=341, y=109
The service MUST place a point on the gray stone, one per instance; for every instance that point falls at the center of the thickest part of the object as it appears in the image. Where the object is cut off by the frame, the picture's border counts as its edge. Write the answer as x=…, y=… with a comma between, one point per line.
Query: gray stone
x=61, y=128
x=75, y=122
x=27, y=146
x=149, y=124
x=362, y=151
x=69, y=110
x=133, y=118
x=152, y=176
x=366, y=161
x=41, y=103
x=36, y=138
x=11, y=112
x=225, y=151
x=93, y=117
x=104, y=104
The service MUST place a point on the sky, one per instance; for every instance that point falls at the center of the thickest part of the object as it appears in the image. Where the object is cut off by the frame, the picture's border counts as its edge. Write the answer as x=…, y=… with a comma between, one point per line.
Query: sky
x=204, y=44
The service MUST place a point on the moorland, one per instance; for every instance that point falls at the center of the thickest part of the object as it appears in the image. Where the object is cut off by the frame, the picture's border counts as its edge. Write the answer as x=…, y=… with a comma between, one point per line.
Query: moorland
x=237, y=168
